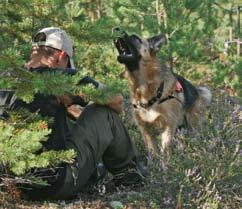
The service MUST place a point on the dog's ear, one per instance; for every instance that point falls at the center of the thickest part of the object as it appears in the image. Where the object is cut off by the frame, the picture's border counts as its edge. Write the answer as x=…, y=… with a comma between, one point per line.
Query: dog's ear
x=155, y=42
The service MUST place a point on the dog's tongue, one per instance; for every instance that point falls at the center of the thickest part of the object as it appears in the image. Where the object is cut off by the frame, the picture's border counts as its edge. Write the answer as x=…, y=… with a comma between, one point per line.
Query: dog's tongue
x=123, y=58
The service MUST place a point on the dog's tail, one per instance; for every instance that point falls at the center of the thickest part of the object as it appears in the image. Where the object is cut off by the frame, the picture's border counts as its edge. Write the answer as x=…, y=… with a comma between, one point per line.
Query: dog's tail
x=205, y=94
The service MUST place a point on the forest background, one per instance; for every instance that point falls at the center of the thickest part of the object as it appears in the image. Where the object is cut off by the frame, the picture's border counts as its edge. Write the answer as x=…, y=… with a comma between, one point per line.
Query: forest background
x=208, y=175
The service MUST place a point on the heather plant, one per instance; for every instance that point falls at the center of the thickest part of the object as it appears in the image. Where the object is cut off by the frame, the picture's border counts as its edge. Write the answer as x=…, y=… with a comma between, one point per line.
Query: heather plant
x=206, y=171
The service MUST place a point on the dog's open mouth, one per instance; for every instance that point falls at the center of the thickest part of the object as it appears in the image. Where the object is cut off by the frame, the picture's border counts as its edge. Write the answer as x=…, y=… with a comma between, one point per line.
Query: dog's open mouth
x=121, y=40
x=122, y=47
x=125, y=53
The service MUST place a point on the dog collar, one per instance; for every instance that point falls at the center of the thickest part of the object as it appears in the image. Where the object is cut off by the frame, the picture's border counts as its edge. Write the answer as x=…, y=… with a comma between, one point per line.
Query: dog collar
x=178, y=89
x=153, y=99
x=143, y=105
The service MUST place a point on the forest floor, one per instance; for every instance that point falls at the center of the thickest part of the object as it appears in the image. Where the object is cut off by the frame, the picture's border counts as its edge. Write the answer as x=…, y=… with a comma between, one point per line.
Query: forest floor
x=208, y=175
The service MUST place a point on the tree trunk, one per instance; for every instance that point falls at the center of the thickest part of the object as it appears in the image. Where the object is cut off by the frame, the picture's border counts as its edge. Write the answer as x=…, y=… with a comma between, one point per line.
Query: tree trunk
x=165, y=20
x=98, y=9
x=158, y=15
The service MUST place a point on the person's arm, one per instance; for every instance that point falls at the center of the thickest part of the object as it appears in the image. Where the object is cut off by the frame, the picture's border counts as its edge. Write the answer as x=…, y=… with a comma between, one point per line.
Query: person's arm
x=88, y=79
x=68, y=100
x=7, y=99
x=115, y=103
x=47, y=105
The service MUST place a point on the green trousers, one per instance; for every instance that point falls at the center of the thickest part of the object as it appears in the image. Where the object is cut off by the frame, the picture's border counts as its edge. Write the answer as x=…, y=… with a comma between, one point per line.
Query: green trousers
x=98, y=135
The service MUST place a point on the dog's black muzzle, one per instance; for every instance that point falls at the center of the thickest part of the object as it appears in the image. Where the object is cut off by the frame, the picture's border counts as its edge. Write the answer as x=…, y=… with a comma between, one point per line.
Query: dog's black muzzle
x=124, y=45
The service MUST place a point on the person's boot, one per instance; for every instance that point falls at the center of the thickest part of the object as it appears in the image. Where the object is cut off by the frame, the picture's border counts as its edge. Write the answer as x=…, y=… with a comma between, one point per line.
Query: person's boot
x=132, y=175
x=97, y=180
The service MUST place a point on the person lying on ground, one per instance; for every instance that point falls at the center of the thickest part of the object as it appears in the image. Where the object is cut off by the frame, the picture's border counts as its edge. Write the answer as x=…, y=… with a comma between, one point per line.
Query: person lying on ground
x=97, y=136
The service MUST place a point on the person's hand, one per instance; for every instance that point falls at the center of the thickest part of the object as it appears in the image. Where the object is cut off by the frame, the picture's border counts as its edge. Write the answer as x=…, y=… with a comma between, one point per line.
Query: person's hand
x=116, y=103
x=75, y=110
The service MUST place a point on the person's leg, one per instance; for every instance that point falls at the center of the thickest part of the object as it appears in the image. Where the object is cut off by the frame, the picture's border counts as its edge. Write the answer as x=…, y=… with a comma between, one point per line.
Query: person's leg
x=85, y=138
x=120, y=157
x=99, y=134
x=110, y=141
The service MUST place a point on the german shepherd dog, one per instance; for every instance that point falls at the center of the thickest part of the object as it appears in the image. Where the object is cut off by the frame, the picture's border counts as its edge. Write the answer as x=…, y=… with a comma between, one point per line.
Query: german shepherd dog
x=161, y=99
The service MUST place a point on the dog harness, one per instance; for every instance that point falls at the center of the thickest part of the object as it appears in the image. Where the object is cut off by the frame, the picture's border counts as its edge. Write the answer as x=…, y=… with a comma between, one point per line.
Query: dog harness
x=178, y=89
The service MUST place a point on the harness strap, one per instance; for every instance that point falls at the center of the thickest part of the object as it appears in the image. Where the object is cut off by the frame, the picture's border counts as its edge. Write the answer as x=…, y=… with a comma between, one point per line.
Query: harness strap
x=167, y=98
x=161, y=101
x=178, y=89
x=158, y=95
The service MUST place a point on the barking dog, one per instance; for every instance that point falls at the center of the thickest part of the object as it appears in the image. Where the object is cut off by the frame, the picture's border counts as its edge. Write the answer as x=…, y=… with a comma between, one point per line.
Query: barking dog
x=161, y=100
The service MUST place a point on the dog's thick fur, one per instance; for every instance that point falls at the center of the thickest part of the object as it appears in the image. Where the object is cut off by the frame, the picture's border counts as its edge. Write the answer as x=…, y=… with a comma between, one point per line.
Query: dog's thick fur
x=167, y=112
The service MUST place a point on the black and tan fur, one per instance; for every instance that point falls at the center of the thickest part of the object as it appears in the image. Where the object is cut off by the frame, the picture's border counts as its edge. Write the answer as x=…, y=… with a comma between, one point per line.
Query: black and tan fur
x=145, y=74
